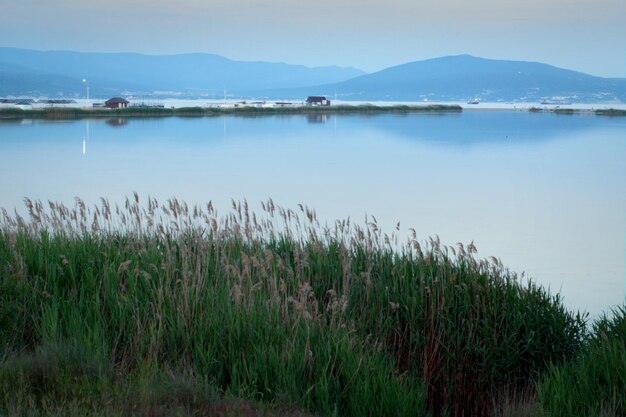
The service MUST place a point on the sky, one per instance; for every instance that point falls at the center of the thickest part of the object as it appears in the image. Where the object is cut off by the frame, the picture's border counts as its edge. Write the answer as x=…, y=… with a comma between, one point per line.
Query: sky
x=583, y=35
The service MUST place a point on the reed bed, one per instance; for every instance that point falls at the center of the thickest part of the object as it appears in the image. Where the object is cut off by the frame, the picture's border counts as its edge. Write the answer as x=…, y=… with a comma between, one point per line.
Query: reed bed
x=82, y=113
x=594, y=384
x=271, y=312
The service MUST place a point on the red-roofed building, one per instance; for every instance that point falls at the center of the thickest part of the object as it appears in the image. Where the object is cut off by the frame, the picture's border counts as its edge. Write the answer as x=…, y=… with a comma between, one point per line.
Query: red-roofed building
x=116, y=103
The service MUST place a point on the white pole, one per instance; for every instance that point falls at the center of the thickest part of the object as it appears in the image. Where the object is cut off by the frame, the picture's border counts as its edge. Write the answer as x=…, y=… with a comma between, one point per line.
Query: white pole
x=87, y=85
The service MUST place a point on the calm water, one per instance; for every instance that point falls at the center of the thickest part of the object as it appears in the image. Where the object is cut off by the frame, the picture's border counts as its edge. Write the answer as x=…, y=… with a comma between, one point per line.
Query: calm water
x=545, y=193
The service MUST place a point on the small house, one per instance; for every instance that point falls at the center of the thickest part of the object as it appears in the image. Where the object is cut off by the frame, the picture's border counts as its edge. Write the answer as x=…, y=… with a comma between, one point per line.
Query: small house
x=116, y=103
x=317, y=101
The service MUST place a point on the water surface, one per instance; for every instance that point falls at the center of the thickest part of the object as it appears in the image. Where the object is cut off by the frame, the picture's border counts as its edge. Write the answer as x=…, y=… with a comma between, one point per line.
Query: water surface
x=545, y=193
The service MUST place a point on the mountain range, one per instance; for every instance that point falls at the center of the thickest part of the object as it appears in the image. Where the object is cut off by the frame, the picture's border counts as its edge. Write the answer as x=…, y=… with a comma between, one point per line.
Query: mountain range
x=60, y=73
x=462, y=77
x=54, y=74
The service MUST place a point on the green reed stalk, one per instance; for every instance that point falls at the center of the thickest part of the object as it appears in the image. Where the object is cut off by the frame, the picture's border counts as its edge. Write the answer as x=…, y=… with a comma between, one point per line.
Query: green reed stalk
x=100, y=303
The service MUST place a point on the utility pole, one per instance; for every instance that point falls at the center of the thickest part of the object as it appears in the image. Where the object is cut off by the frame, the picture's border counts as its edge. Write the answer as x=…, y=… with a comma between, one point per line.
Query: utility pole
x=87, y=84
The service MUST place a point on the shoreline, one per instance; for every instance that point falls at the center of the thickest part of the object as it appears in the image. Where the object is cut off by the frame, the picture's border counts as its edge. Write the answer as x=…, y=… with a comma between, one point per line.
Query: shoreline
x=83, y=112
x=54, y=113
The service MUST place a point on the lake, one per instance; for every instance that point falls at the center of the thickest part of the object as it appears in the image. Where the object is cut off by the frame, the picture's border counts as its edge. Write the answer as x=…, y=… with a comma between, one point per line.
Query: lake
x=545, y=193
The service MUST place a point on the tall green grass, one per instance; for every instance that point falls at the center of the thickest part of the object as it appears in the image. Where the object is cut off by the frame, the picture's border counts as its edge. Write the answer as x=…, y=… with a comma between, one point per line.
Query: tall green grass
x=271, y=308
x=594, y=384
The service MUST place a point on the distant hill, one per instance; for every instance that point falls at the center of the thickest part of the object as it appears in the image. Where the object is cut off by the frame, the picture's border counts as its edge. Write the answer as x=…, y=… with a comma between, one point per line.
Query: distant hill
x=60, y=73
x=26, y=72
x=463, y=77
x=18, y=80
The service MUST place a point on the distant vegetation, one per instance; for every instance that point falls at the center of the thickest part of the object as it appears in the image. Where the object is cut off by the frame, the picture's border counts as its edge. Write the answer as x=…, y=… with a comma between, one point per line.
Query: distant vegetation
x=164, y=309
x=610, y=112
x=599, y=112
x=78, y=113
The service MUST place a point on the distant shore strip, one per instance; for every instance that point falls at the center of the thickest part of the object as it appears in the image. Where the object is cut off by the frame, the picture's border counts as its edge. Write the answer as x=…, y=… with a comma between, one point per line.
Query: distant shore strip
x=79, y=113
x=84, y=113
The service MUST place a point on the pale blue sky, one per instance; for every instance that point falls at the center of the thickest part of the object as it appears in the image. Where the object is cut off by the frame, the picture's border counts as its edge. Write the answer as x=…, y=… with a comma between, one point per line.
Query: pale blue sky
x=585, y=35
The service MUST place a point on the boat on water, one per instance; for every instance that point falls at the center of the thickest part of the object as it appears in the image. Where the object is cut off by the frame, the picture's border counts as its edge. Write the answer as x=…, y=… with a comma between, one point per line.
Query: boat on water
x=475, y=100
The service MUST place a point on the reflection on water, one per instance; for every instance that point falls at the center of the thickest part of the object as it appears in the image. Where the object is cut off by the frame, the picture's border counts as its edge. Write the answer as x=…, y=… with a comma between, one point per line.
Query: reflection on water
x=543, y=192
x=458, y=129
x=116, y=121
x=316, y=118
